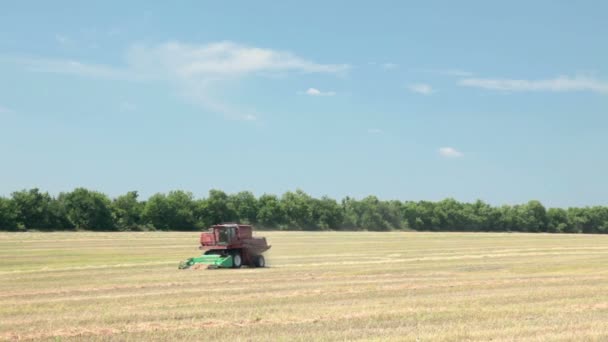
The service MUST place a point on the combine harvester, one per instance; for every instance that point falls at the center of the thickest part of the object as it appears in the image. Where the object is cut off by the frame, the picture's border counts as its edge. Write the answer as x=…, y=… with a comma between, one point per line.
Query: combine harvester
x=229, y=245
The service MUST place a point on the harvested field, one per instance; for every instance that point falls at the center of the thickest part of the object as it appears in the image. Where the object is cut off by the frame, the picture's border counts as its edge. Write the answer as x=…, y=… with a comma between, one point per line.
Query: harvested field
x=319, y=286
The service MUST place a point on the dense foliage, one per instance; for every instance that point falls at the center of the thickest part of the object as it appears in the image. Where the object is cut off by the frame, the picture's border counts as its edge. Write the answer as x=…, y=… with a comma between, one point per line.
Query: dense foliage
x=84, y=209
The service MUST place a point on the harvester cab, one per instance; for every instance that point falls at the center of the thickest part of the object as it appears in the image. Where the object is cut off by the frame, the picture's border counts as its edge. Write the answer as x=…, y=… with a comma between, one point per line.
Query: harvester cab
x=225, y=234
x=229, y=245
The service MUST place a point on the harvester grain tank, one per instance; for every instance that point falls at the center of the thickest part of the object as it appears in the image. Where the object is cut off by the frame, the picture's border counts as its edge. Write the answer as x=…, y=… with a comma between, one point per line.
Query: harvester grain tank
x=229, y=245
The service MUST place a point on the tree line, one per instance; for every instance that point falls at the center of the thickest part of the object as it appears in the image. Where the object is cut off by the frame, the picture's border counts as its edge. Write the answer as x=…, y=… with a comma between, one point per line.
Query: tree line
x=84, y=209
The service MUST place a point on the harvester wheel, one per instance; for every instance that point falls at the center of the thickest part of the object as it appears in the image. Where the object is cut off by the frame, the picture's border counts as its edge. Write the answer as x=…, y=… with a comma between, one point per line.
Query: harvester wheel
x=237, y=262
x=259, y=261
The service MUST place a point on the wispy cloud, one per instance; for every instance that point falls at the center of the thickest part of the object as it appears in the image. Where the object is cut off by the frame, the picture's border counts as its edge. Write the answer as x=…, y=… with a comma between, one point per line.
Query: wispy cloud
x=446, y=72
x=224, y=59
x=421, y=88
x=390, y=66
x=86, y=39
x=249, y=117
x=63, y=39
x=114, y=31
x=317, y=92
x=375, y=131
x=200, y=93
x=385, y=65
x=4, y=110
x=450, y=152
x=195, y=70
x=558, y=84
x=72, y=67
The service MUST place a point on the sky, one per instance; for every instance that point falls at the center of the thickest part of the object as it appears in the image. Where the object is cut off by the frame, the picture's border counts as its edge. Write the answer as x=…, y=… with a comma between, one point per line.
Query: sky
x=500, y=101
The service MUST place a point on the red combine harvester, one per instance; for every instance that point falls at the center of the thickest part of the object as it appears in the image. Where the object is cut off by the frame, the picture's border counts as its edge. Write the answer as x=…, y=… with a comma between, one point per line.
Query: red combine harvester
x=229, y=245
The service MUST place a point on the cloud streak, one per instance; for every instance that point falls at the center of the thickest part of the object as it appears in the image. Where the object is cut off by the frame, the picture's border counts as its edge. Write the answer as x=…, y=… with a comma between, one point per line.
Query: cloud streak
x=390, y=66
x=195, y=70
x=72, y=67
x=176, y=60
x=4, y=110
x=317, y=92
x=223, y=59
x=421, y=88
x=446, y=72
x=450, y=152
x=385, y=65
x=558, y=84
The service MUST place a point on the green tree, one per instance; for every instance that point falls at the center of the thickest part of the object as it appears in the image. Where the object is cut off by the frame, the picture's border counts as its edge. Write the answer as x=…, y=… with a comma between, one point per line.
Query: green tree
x=450, y=215
x=86, y=209
x=270, y=213
x=394, y=215
x=425, y=217
x=215, y=209
x=508, y=219
x=374, y=215
x=37, y=210
x=557, y=220
x=371, y=214
x=599, y=219
x=533, y=216
x=127, y=211
x=183, y=210
x=483, y=217
x=409, y=212
x=297, y=207
x=156, y=212
x=326, y=213
x=8, y=215
x=350, y=213
x=245, y=206
x=174, y=211
x=588, y=219
x=529, y=217
x=178, y=210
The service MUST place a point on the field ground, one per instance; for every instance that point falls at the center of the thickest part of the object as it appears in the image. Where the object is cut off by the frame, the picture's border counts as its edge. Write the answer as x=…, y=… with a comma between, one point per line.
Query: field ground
x=320, y=286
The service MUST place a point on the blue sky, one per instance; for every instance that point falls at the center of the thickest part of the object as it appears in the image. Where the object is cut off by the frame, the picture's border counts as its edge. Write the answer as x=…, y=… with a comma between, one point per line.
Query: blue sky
x=504, y=102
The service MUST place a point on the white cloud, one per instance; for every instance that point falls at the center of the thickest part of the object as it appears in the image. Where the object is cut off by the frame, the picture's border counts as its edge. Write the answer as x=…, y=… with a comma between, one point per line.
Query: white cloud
x=558, y=84
x=450, y=152
x=385, y=66
x=375, y=131
x=317, y=92
x=313, y=91
x=176, y=60
x=390, y=66
x=223, y=59
x=421, y=88
x=195, y=70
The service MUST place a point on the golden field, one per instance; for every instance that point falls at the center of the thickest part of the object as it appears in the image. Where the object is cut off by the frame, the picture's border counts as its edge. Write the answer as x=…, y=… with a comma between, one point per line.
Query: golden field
x=401, y=286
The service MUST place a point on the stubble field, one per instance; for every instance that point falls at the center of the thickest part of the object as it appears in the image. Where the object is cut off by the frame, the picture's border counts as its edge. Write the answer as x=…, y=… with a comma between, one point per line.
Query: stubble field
x=319, y=286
